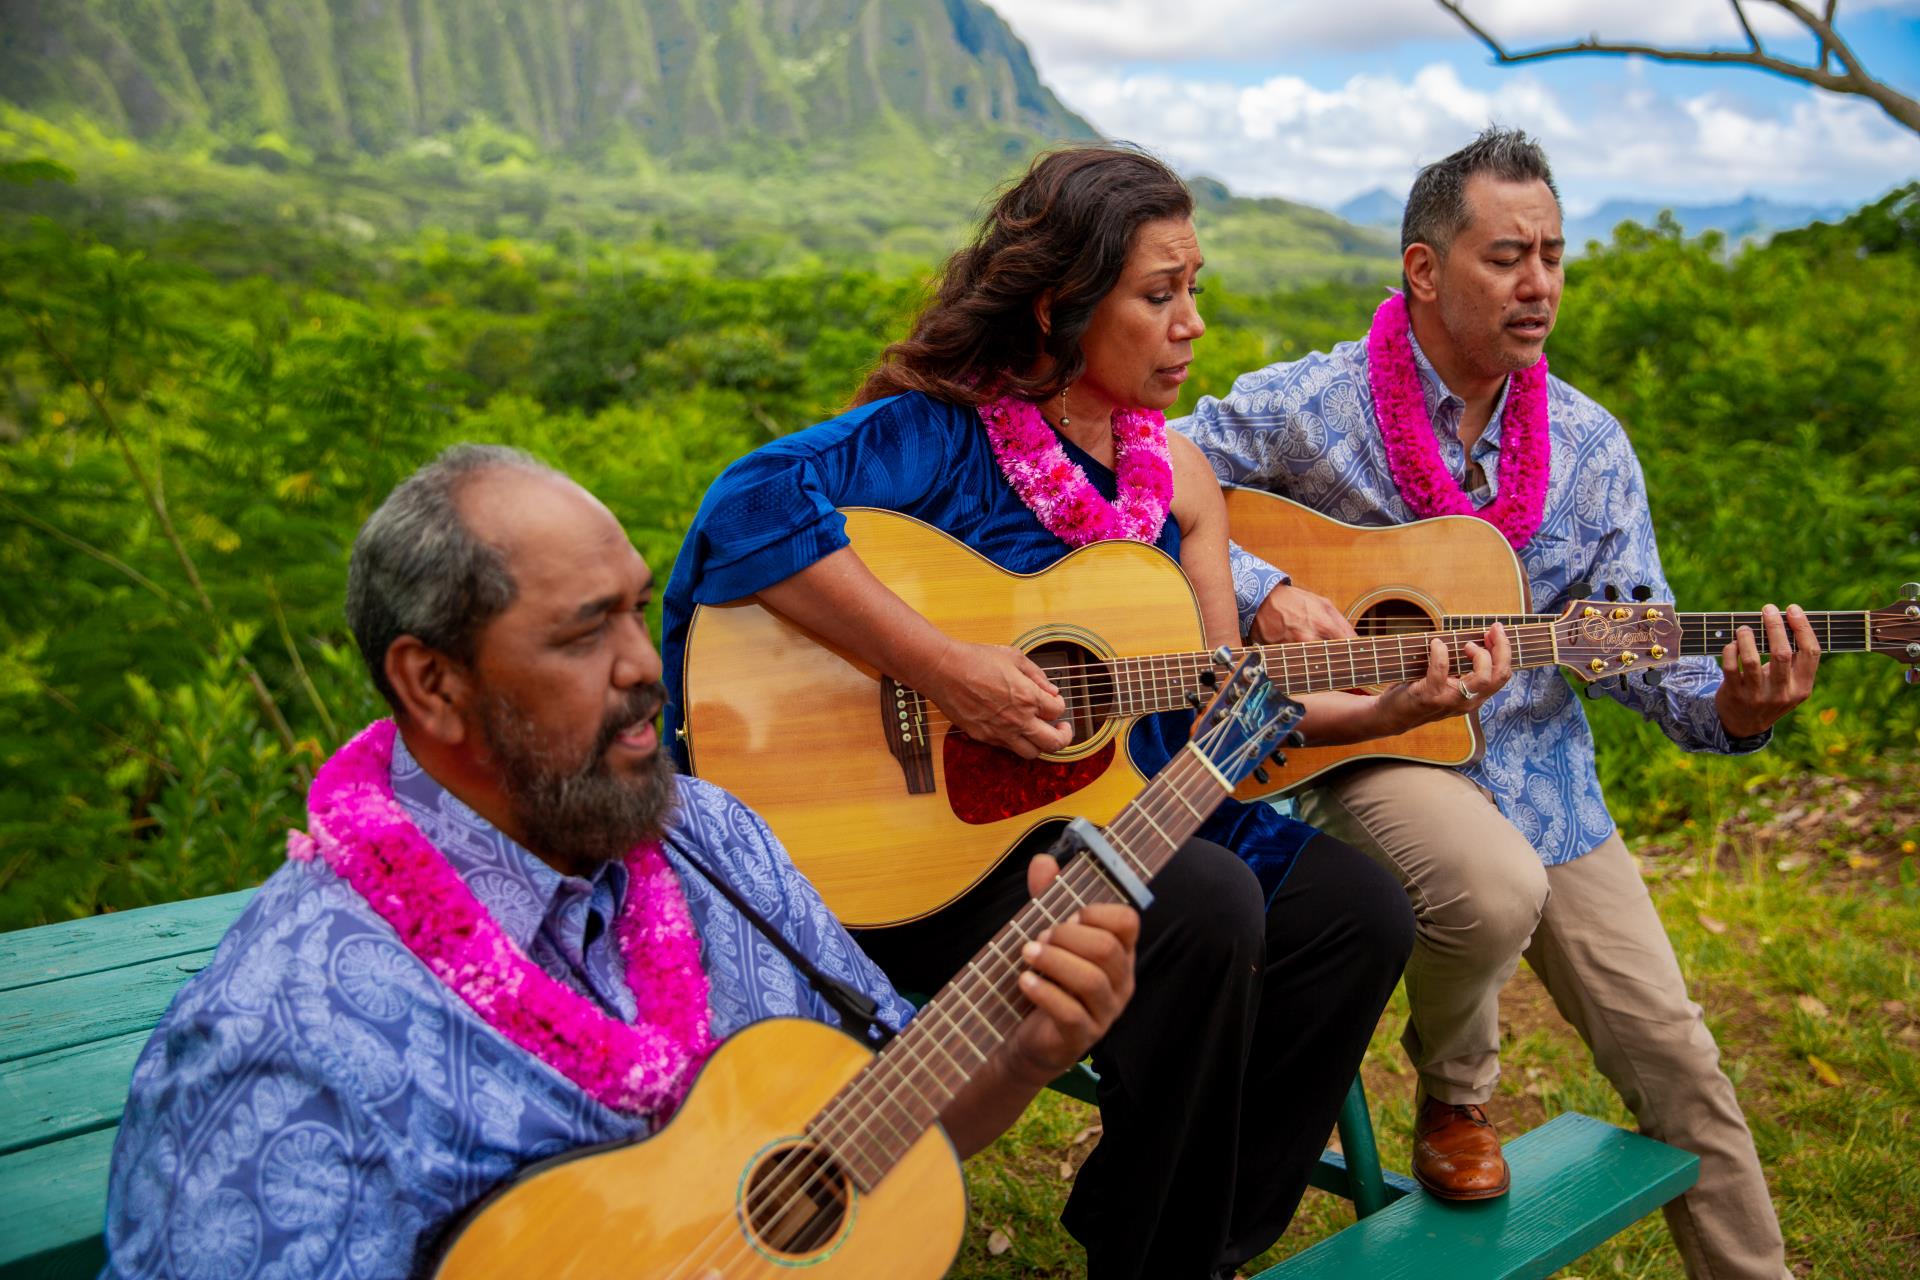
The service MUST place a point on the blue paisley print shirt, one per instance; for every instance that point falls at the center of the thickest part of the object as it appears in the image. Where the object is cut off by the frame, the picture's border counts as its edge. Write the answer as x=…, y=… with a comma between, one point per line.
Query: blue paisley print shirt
x=317, y=1104
x=1304, y=429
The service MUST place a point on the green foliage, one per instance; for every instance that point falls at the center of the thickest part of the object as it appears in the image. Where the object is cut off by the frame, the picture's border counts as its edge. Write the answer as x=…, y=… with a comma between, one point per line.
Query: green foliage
x=1770, y=399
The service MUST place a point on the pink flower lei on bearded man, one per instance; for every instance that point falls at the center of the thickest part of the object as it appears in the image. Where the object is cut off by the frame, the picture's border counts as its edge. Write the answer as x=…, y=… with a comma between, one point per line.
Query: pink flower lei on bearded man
x=1413, y=451
x=1056, y=489
x=644, y=1067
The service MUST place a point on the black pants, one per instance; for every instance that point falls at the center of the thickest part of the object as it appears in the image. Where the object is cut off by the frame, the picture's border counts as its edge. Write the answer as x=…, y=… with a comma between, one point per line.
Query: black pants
x=1222, y=1079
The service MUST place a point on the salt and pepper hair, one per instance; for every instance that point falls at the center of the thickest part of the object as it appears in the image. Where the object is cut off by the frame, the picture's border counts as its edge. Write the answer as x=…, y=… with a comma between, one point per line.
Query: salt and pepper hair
x=418, y=570
x=1437, y=208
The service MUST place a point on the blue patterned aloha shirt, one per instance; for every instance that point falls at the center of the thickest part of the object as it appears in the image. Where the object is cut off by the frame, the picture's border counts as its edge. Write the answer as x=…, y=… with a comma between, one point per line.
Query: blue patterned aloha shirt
x=315, y=1103
x=1305, y=429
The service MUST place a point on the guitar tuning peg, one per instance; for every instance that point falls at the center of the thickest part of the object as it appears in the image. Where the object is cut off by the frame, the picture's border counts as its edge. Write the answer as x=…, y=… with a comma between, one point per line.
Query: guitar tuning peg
x=1913, y=675
x=1594, y=690
x=1613, y=592
x=1278, y=757
x=1222, y=657
x=1196, y=699
x=1643, y=592
x=1261, y=776
x=1294, y=738
x=1579, y=589
x=1653, y=677
x=1910, y=591
x=1209, y=679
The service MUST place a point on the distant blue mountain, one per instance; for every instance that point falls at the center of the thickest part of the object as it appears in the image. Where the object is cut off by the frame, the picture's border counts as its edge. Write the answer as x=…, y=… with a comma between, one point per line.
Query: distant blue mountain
x=1749, y=218
x=1376, y=208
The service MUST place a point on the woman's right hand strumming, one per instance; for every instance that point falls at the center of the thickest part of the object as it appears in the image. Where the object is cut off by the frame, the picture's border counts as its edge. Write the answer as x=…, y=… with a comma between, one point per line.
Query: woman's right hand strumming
x=996, y=695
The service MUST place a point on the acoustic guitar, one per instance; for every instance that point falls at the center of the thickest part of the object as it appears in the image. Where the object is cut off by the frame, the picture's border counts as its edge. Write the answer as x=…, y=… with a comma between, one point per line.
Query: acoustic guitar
x=1458, y=572
x=892, y=813
x=799, y=1148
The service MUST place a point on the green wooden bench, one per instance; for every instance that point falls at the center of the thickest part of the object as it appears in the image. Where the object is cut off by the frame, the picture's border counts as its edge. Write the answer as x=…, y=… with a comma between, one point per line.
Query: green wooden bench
x=78, y=1000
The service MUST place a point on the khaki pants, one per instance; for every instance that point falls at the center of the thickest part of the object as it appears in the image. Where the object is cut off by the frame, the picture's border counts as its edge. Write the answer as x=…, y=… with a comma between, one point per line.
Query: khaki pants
x=1481, y=898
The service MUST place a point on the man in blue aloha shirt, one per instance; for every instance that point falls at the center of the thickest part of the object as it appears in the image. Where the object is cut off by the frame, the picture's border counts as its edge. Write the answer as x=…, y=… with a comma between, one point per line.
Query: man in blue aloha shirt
x=1516, y=852
x=316, y=1102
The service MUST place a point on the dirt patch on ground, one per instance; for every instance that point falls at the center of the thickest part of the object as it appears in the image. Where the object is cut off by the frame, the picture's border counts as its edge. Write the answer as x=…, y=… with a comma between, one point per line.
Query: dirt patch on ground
x=1844, y=830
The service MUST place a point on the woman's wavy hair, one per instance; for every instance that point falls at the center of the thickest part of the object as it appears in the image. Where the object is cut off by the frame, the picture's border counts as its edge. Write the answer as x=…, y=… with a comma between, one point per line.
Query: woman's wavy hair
x=1066, y=227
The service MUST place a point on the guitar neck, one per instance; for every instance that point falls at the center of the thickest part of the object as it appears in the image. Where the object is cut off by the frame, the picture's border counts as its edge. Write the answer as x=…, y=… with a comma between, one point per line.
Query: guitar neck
x=873, y=1122
x=1839, y=631
x=1161, y=682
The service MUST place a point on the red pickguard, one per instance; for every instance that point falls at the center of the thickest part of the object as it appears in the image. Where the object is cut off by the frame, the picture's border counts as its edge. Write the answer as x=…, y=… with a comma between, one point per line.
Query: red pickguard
x=986, y=784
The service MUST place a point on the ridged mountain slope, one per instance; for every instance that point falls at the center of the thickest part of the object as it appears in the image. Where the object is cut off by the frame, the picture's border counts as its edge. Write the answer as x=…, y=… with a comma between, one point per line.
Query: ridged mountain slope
x=690, y=79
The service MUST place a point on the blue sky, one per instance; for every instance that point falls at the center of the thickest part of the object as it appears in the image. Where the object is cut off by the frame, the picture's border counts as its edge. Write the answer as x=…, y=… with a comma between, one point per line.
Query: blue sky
x=1319, y=101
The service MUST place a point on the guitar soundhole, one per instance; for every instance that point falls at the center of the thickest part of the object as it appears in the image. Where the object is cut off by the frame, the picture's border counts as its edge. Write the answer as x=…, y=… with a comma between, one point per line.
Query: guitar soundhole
x=1393, y=617
x=797, y=1200
x=1085, y=682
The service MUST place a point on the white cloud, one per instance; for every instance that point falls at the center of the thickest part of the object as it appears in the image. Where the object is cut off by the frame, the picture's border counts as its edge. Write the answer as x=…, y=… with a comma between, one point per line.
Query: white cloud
x=1094, y=32
x=1284, y=136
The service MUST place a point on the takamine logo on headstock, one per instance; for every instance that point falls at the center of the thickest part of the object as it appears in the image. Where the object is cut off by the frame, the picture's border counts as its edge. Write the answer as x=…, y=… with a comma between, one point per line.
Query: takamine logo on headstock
x=1602, y=638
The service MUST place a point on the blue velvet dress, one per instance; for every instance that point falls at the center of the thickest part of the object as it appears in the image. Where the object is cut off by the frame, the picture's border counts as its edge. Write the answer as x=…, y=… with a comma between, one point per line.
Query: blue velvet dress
x=774, y=512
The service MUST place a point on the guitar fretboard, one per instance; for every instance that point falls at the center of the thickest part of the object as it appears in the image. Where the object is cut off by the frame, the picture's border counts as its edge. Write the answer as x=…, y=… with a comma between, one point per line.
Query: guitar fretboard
x=1839, y=631
x=1161, y=682
x=870, y=1125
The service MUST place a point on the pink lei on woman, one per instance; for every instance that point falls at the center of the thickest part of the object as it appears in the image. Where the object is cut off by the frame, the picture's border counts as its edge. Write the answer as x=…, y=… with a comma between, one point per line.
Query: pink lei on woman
x=1413, y=450
x=1056, y=488
x=644, y=1067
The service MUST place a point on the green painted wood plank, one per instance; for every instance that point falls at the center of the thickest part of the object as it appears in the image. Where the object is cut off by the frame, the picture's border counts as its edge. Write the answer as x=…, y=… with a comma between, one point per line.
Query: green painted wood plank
x=73, y=947
x=1576, y=1181
x=53, y=1206
x=1332, y=1175
x=93, y=1007
x=67, y=1092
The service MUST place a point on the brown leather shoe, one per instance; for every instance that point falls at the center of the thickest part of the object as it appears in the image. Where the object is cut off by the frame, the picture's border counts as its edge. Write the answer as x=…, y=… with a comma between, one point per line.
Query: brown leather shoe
x=1456, y=1153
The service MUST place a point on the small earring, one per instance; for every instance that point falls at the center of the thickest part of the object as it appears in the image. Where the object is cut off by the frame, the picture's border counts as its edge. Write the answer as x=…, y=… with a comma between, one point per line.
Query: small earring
x=1065, y=421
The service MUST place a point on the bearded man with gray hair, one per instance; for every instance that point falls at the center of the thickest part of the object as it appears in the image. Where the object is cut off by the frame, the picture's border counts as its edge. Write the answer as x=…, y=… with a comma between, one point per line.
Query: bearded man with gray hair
x=1446, y=407
x=502, y=935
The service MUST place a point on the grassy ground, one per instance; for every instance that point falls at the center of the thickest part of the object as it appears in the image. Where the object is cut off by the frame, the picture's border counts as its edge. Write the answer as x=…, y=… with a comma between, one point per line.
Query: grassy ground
x=1796, y=922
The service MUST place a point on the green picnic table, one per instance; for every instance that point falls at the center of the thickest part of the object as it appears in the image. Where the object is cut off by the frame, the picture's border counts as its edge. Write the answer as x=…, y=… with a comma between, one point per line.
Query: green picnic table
x=78, y=1000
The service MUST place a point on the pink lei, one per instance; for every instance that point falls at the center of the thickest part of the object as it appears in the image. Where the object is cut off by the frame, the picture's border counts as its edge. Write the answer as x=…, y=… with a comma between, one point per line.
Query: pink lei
x=644, y=1067
x=1057, y=490
x=1413, y=451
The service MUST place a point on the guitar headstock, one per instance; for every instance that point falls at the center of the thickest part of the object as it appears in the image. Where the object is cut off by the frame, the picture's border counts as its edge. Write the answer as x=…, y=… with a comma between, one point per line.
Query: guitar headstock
x=1895, y=630
x=1596, y=639
x=1247, y=719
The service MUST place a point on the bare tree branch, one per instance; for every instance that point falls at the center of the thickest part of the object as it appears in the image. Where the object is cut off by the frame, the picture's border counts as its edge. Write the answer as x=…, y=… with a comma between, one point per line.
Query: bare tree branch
x=1746, y=26
x=1852, y=78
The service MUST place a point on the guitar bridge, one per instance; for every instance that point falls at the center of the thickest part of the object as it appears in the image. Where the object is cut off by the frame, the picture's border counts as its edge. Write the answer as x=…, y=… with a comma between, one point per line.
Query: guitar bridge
x=903, y=723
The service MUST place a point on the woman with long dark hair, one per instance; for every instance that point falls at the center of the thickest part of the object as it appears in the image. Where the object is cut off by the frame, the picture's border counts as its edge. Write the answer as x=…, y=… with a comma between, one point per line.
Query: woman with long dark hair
x=1023, y=417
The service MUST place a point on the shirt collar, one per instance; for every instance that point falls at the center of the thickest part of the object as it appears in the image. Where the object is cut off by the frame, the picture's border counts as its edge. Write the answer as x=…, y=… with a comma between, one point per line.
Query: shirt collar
x=1444, y=407
x=518, y=889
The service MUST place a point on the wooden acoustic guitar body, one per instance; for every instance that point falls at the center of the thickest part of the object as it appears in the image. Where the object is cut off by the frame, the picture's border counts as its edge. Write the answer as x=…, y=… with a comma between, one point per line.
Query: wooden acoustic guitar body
x=709, y=1196
x=806, y=735
x=1396, y=578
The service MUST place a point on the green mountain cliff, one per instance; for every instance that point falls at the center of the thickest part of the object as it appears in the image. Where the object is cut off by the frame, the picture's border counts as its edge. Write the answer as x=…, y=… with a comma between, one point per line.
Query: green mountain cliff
x=689, y=79
x=764, y=131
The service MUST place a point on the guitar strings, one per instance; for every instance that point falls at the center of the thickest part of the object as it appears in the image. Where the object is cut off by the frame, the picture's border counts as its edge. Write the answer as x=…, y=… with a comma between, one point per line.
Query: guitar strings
x=1850, y=626
x=801, y=1178
x=1082, y=689
x=995, y=966
x=836, y=1141
x=1085, y=676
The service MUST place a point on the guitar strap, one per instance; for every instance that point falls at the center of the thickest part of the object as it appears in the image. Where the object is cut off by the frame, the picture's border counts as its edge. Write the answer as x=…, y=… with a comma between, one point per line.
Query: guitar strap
x=858, y=1010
